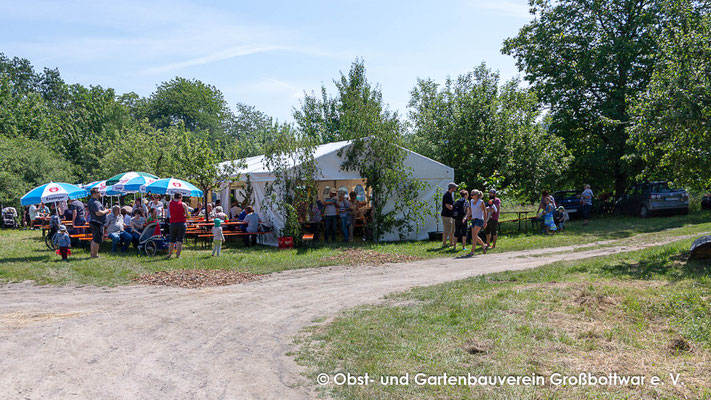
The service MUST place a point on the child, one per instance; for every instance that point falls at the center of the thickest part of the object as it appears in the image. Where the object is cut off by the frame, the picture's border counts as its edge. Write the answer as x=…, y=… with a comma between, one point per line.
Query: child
x=63, y=242
x=217, y=237
x=561, y=217
x=548, y=220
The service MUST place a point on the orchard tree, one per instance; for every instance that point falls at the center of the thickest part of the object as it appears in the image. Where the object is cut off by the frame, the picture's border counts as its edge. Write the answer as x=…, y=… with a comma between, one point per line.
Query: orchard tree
x=671, y=127
x=487, y=132
x=357, y=113
x=587, y=59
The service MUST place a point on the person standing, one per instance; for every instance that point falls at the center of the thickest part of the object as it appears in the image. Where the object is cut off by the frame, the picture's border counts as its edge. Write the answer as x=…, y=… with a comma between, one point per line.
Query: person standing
x=493, y=224
x=217, y=237
x=586, y=199
x=178, y=224
x=98, y=218
x=63, y=242
x=78, y=218
x=447, y=214
x=478, y=215
x=549, y=218
x=344, y=212
x=316, y=218
x=253, y=221
x=460, y=211
x=331, y=214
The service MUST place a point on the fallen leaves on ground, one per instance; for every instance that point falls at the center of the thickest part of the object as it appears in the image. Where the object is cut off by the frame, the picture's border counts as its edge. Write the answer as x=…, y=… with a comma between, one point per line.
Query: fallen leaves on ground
x=196, y=278
x=353, y=256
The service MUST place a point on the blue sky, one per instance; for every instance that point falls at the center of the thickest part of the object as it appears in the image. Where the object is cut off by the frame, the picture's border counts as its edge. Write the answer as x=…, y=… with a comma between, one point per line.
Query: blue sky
x=261, y=53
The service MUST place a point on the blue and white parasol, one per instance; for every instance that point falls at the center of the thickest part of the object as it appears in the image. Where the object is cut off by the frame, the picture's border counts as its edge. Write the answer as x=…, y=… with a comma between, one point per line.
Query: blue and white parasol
x=53, y=192
x=132, y=185
x=172, y=186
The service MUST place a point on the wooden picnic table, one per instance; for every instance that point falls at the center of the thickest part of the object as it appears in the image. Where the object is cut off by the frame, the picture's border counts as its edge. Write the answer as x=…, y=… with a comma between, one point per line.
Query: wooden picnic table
x=204, y=224
x=520, y=216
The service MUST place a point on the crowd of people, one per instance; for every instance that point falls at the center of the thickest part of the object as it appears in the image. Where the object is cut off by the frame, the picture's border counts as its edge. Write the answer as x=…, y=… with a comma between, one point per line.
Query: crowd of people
x=338, y=212
x=123, y=226
x=476, y=219
x=472, y=218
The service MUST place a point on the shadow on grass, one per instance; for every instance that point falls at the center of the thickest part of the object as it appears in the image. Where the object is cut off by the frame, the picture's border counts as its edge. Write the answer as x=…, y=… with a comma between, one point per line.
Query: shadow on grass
x=23, y=259
x=674, y=267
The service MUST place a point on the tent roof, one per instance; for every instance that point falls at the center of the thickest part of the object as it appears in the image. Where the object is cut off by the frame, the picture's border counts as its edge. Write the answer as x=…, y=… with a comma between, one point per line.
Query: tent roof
x=327, y=158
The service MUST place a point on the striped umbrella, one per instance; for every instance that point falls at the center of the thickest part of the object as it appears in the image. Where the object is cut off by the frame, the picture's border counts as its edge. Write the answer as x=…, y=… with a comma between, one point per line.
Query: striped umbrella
x=132, y=185
x=172, y=186
x=127, y=176
x=53, y=192
x=104, y=189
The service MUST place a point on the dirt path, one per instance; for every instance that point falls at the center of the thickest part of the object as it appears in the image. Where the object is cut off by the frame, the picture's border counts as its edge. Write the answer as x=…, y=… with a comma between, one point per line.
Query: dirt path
x=218, y=343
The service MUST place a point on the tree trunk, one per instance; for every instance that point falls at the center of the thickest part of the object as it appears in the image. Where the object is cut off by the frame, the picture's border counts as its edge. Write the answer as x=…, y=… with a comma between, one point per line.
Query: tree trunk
x=620, y=181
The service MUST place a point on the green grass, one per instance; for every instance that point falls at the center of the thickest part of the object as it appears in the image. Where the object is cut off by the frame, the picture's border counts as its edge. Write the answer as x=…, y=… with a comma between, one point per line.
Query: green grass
x=23, y=255
x=630, y=313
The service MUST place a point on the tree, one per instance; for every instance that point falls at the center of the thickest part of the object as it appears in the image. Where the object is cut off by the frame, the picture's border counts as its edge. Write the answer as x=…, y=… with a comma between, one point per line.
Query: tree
x=357, y=113
x=199, y=106
x=586, y=59
x=671, y=128
x=27, y=164
x=485, y=130
x=196, y=160
x=253, y=130
x=290, y=158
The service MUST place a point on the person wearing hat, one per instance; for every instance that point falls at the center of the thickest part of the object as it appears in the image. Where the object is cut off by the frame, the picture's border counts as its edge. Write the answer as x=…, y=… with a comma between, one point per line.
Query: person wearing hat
x=331, y=215
x=493, y=225
x=561, y=217
x=63, y=242
x=448, y=215
x=217, y=237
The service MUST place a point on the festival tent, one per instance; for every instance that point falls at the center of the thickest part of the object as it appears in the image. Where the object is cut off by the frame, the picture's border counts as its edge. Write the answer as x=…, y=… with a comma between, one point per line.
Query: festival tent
x=434, y=174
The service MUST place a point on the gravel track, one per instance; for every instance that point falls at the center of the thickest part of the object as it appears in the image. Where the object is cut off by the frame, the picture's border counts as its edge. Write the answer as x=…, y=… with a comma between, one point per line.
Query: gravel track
x=147, y=342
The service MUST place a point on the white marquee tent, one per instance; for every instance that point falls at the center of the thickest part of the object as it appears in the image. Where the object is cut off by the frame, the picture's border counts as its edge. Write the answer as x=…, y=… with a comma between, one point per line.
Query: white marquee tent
x=434, y=174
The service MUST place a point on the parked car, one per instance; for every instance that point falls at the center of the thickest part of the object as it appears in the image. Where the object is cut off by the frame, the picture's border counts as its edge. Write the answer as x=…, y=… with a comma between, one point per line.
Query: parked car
x=645, y=199
x=570, y=200
x=706, y=202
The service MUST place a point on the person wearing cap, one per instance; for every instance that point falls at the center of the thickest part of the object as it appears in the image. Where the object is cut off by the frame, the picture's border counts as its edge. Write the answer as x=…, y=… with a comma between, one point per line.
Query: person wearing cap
x=493, y=225
x=217, y=237
x=63, y=242
x=331, y=215
x=97, y=214
x=448, y=215
x=561, y=217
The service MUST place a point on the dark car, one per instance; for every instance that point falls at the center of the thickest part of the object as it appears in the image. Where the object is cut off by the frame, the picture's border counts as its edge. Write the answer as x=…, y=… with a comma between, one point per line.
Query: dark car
x=706, y=202
x=645, y=199
x=570, y=200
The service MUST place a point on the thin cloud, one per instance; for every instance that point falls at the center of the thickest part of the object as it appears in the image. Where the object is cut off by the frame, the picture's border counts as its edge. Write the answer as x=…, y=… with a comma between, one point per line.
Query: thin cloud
x=516, y=9
x=220, y=55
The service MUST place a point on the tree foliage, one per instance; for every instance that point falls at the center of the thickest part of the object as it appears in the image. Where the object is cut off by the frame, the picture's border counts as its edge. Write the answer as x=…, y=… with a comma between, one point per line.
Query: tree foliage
x=483, y=129
x=357, y=113
x=672, y=118
x=586, y=59
x=27, y=164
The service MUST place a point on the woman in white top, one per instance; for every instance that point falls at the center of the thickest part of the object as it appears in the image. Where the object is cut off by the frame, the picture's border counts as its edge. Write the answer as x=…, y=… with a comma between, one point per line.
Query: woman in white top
x=477, y=213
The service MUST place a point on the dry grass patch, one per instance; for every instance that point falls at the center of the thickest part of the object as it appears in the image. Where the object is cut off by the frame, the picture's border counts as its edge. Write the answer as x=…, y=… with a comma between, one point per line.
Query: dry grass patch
x=196, y=278
x=358, y=256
